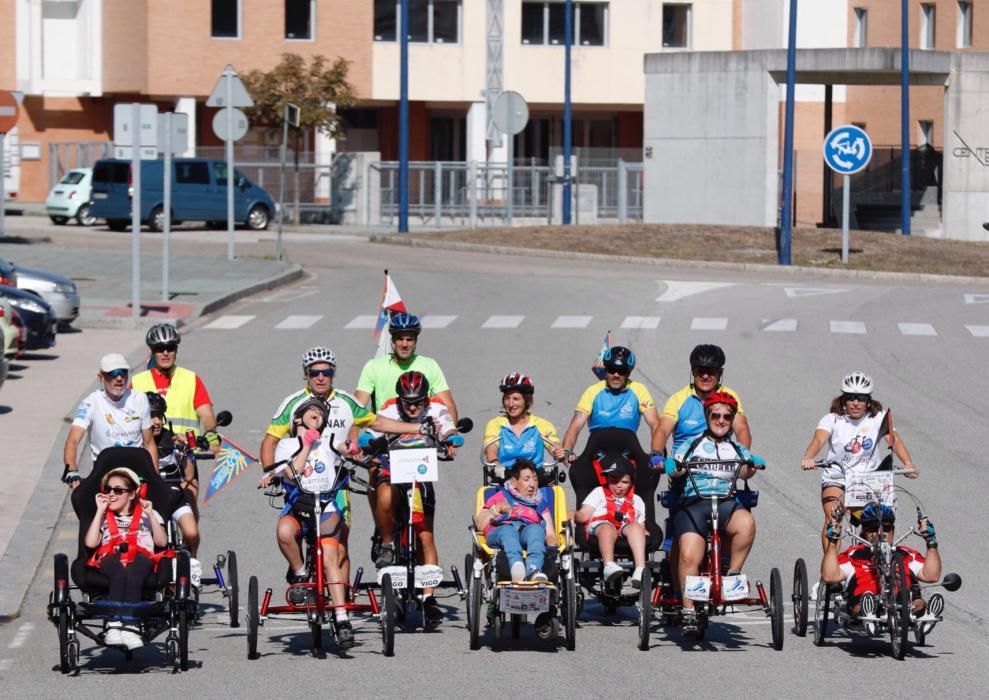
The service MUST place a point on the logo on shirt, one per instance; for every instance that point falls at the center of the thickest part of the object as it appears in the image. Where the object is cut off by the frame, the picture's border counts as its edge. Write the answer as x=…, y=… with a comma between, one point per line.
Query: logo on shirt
x=320, y=467
x=626, y=410
x=858, y=444
x=336, y=423
x=108, y=417
x=82, y=410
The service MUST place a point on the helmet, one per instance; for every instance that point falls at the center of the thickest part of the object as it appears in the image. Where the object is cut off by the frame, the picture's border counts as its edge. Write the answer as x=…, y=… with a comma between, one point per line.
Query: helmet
x=156, y=402
x=619, y=466
x=619, y=358
x=721, y=397
x=857, y=383
x=707, y=356
x=318, y=354
x=412, y=387
x=162, y=334
x=404, y=323
x=300, y=410
x=516, y=381
x=874, y=512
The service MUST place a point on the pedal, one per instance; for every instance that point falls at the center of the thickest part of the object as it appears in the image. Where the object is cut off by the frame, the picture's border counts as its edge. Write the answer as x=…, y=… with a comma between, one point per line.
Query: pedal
x=296, y=595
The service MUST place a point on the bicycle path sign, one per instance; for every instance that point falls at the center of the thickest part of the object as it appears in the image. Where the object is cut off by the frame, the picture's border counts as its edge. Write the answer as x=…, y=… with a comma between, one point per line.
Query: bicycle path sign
x=847, y=149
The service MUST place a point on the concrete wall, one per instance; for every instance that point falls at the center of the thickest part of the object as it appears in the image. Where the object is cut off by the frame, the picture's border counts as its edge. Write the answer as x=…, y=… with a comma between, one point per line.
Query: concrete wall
x=965, y=202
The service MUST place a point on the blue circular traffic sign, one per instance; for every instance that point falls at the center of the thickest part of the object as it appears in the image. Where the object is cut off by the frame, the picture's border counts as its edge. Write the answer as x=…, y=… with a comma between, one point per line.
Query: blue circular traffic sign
x=847, y=149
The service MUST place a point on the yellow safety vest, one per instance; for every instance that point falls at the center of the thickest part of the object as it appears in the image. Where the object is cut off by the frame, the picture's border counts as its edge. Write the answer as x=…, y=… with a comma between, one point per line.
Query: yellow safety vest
x=179, y=395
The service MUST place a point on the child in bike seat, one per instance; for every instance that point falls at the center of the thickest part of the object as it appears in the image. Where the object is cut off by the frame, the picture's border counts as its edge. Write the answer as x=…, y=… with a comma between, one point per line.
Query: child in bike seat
x=516, y=517
x=614, y=511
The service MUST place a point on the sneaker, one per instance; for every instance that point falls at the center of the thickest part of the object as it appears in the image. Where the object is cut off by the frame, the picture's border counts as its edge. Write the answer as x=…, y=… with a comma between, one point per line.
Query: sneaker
x=345, y=634
x=294, y=577
x=518, y=571
x=612, y=571
x=431, y=610
x=386, y=555
x=935, y=606
x=131, y=638
x=814, y=590
x=538, y=576
x=112, y=637
x=688, y=621
x=637, y=578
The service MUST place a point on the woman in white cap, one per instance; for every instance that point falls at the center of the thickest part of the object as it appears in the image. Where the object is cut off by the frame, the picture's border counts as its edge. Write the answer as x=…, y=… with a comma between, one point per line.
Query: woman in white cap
x=114, y=416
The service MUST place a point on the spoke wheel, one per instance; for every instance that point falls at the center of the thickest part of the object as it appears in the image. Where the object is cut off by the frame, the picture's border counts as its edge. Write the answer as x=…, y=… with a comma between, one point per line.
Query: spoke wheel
x=316, y=628
x=645, y=609
x=475, y=597
x=898, y=607
x=469, y=573
x=776, y=607
x=821, y=611
x=253, y=618
x=801, y=602
x=388, y=607
x=570, y=610
x=183, y=638
x=65, y=660
x=233, y=589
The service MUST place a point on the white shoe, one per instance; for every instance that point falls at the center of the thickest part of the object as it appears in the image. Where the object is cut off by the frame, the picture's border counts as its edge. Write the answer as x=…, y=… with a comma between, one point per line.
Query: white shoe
x=518, y=571
x=612, y=571
x=637, y=578
x=131, y=639
x=814, y=589
x=112, y=637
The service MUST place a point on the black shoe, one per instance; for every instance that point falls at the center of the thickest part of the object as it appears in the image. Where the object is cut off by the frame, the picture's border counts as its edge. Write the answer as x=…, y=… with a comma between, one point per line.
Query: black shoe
x=345, y=634
x=293, y=578
x=688, y=624
x=431, y=610
x=386, y=555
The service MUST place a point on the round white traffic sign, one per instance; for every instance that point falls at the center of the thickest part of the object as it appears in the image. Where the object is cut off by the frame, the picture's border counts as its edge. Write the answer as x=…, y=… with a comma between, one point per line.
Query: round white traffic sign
x=847, y=149
x=511, y=112
x=238, y=123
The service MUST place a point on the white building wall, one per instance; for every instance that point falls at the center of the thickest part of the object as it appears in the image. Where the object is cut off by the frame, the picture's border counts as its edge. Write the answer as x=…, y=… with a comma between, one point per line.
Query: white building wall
x=59, y=47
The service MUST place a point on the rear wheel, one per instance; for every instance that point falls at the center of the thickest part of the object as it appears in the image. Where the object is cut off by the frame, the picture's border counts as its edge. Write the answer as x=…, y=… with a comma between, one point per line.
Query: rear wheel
x=253, y=618
x=156, y=221
x=475, y=597
x=776, y=607
x=801, y=603
x=388, y=607
x=183, y=639
x=233, y=589
x=257, y=219
x=645, y=609
x=570, y=609
x=84, y=216
x=897, y=601
x=821, y=611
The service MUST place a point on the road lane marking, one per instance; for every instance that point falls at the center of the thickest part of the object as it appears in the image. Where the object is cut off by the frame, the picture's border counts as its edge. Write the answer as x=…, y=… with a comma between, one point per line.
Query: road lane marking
x=916, y=329
x=709, y=324
x=571, y=322
x=641, y=322
x=229, y=323
x=675, y=291
x=503, y=322
x=977, y=298
x=361, y=323
x=300, y=322
x=779, y=324
x=979, y=331
x=854, y=327
x=436, y=321
x=21, y=636
x=798, y=292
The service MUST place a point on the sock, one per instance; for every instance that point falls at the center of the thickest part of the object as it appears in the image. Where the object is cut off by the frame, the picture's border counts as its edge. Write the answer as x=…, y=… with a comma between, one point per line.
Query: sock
x=342, y=616
x=300, y=572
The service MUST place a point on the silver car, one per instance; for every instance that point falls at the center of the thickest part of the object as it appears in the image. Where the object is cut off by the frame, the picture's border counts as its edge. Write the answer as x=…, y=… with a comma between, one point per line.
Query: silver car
x=60, y=292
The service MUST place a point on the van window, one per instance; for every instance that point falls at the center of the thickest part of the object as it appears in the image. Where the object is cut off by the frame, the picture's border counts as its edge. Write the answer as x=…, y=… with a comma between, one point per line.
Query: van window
x=192, y=174
x=113, y=172
x=220, y=174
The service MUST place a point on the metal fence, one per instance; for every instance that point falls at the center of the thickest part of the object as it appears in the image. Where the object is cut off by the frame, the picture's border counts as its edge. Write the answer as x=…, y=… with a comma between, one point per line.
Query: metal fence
x=66, y=155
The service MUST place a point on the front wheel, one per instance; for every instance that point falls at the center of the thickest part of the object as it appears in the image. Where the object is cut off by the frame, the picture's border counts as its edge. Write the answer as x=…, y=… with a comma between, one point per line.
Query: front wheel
x=898, y=607
x=776, y=607
x=233, y=589
x=645, y=609
x=258, y=217
x=183, y=639
x=570, y=609
x=65, y=655
x=388, y=606
x=801, y=603
x=821, y=610
x=156, y=222
x=475, y=597
x=84, y=216
x=253, y=618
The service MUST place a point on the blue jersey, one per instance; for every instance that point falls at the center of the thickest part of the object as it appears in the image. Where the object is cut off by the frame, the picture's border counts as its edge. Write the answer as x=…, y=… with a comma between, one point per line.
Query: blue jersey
x=615, y=409
x=686, y=410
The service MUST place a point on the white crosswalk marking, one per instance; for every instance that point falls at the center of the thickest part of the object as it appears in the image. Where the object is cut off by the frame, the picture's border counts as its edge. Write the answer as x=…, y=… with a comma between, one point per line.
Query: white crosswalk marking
x=436, y=321
x=854, y=327
x=571, y=322
x=503, y=322
x=361, y=323
x=298, y=322
x=22, y=634
x=709, y=324
x=642, y=322
x=779, y=324
x=916, y=329
x=977, y=298
x=229, y=323
x=798, y=292
x=979, y=331
x=676, y=290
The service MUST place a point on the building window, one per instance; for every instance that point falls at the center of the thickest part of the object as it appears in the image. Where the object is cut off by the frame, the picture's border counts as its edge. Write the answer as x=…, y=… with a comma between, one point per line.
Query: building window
x=925, y=133
x=927, y=26
x=299, y=16
x=676, y=26
x=225, y=19
x=430, y=21
x=964, y=25
x=861, y=28
x=543, y=23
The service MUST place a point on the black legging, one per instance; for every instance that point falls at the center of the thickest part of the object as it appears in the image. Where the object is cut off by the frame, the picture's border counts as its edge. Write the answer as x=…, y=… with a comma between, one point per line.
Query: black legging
x=126, y=582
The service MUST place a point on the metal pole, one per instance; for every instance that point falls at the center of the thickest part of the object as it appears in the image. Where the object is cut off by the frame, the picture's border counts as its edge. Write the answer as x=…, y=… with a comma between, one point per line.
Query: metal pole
x=167, y=186
x=786, y=216
x=846, y=189
x=906, y=187
x=511, y=168
x=135, y=216
x=229, y=87
x=282, y=155
x=827, y=179
x=567, y=108
x=3, y=176
x=403, y=123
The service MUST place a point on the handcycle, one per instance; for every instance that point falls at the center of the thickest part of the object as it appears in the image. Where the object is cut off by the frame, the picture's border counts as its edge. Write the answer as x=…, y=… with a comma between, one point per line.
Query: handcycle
x=311, y=600
x=714, y=592
x=554, y=602
x=893, y=615
x=169, y=606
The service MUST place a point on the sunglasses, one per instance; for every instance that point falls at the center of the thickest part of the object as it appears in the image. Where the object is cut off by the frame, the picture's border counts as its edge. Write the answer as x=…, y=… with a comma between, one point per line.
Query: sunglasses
x=864, y=398
x=721, y=416
x=118, y=490
x=617, y=370
x=328, y=373
x=116, y=374
x=171, y=347
x=417, y=402
x=708, y=371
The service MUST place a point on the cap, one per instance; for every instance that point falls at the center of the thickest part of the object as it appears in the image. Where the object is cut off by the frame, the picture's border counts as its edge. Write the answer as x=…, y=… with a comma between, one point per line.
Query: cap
x=121, y=471
x=113, y=361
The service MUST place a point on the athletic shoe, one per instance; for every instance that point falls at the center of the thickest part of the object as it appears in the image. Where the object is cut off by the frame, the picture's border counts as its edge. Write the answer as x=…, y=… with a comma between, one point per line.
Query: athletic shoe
x=935, y=606
x=518, y=571
x=345, y=634
x=814, y=590
x=131, y=639
x=112, y=637
x=538, y=576
x=612, y=571
x=294, y=577
x=431, y=610
x=386, y=555
x=688, y=624
x=637, y=578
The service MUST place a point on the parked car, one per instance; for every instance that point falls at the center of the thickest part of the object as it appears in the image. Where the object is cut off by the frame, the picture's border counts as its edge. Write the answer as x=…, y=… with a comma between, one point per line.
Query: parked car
x=70, y=198
x=59, y=291
x=4, y=362
x=8, y=275
x=38, y=317
x=199, y=193
x=12, y=332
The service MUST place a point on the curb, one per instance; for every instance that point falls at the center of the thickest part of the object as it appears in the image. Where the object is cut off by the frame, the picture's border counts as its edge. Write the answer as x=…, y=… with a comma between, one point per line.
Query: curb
x=399, y=239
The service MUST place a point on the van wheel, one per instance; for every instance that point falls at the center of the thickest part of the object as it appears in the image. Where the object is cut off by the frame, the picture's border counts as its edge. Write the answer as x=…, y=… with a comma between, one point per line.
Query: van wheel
x=257, y=219
x=59, y=220
x=117, y=224
x=84, y=217
x=156, y=222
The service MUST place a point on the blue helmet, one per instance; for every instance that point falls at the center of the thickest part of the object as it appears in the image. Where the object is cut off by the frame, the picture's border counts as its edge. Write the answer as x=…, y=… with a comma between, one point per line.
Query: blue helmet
x=619, y=359
x=404, y=323
x=874, y=513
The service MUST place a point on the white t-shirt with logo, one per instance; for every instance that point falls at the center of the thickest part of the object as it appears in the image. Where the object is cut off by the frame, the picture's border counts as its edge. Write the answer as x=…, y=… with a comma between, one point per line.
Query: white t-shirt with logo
x=114, y=423
x=319, y=473
x=854, y=443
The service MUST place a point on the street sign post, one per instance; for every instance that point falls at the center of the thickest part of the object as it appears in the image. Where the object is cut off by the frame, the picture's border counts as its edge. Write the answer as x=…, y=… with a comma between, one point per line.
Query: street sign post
x=291, y=117
x=847, y=149
x=511, y=114
x=229, y=92
x=8, y=120
x=173, y=138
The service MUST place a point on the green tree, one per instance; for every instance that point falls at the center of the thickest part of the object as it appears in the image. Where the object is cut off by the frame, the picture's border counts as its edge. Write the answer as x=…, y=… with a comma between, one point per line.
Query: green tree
x=319, y=88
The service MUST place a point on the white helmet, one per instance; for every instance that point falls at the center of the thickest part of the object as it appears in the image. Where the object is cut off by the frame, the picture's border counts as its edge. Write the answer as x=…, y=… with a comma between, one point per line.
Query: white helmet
x=857, y=383
x=317, y=354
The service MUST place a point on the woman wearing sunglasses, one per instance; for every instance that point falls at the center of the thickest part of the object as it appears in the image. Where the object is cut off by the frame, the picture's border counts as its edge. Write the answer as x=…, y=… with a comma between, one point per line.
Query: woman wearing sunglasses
x=113, y=416
x=852, y=430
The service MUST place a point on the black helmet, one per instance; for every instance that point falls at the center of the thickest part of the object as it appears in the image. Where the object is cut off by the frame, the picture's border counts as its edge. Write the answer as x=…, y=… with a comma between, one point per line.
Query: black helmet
x=412, y=387
x=619, y=359
x=617, y=465
x=404, y=323
x=300, y=410
x=156, y=402
x=707, y=356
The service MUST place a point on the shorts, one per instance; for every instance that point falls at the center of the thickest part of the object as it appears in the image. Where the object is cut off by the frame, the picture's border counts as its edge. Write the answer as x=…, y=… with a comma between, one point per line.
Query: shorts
x=592, y=527
x=332, y=525
x=180, y=504
x=693, y=516
x=427, y=490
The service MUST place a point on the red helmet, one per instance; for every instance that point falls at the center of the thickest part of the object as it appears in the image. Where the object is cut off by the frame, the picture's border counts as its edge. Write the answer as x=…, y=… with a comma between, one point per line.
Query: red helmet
x=516, y=381
x=721, y=397
x=412, y=387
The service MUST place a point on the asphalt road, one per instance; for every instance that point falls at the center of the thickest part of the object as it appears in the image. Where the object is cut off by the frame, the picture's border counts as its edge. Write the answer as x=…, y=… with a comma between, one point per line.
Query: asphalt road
x=788, y=343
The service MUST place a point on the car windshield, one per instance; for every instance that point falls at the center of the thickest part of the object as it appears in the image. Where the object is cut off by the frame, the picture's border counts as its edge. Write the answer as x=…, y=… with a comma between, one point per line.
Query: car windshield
x=72, y=178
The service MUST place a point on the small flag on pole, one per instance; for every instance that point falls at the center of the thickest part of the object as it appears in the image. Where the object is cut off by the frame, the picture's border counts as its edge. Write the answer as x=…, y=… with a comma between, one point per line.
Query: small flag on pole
x=598, y=365
x=228, y=465
x=391, y=302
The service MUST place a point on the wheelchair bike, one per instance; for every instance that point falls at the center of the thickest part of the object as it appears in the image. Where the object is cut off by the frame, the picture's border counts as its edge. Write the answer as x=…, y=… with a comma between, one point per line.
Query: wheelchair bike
x=894, y=616
x=553, y=602
x=310, y=601
x=168, y=606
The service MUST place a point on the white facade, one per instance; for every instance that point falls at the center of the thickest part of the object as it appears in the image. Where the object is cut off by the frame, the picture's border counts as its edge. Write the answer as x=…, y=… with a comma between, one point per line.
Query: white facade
x=59, y=47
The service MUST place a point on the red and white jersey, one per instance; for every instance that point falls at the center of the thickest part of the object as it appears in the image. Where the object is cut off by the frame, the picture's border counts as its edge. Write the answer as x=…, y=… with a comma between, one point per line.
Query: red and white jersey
x=857, y=562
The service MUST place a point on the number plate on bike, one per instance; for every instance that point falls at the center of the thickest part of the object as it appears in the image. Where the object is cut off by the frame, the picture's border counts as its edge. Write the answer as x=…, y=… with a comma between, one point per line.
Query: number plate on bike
x=870, y=487
x=413, y=464
x=522, y=601
x=698, y=588
x=426, y=576
x=734, y=587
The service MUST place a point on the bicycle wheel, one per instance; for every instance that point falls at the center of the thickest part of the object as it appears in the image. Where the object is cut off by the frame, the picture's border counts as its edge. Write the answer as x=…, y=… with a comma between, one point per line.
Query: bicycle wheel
x=645, y=609
x=64, y=655
x=316, y=629
x=801, y=602
x=570, y=603
x=475, y=597
x=469, y=573
x=897, y=599
x=233, y=590
x=388, y=606
x=183, y=638
x=252, y=618
x=776, y=607
x=821, y=610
